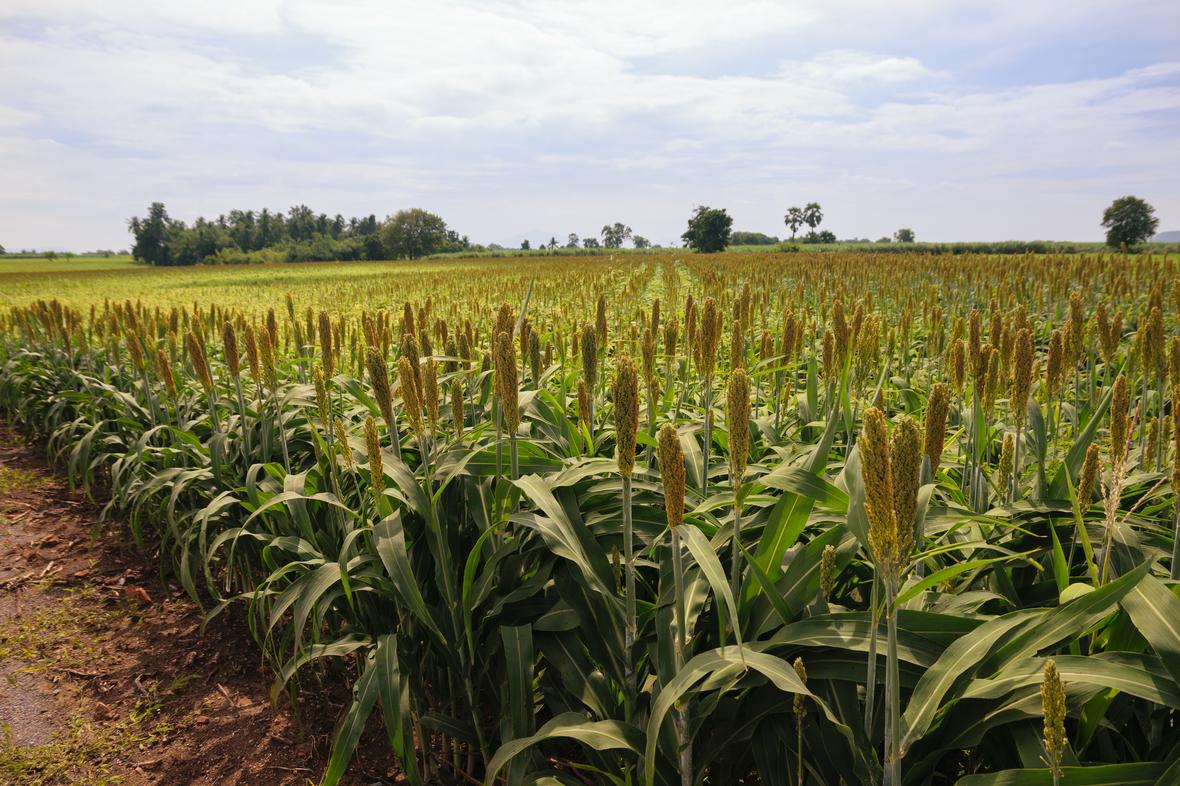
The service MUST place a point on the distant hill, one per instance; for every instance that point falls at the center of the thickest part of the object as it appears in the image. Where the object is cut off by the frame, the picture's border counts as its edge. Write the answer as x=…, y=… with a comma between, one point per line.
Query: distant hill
x=1168, y=237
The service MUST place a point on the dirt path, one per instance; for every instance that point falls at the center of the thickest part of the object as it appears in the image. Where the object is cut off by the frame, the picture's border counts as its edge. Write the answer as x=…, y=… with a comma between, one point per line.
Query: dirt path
x=104, y=676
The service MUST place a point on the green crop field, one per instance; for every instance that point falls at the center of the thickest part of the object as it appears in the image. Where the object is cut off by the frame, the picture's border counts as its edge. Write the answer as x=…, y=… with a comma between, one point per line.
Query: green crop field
x=743, y=518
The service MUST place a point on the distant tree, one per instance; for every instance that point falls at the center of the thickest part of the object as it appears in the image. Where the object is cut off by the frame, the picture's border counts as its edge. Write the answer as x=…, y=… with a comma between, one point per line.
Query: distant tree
x=552, y=244
x=571, y=241
x=819, y=237
x=794, y=219
x=708, y=230
x=301, y=222
x=904, y=235
x=884, y=239
x=640, y=241
x=590, y=242
x=524, y=245
x=151, y=235
x=613, y=235
x=2, y=251
x=51, y=255
x=1129, y=220
x=413, y=233
x=752, y=239
x=813, y=215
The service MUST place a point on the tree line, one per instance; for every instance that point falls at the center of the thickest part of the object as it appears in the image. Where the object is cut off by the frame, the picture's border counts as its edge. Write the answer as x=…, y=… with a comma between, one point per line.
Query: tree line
x=299, y=235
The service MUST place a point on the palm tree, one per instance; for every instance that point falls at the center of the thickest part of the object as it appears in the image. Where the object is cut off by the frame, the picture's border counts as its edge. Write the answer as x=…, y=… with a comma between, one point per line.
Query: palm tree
x=794, y=219
x=813, y=215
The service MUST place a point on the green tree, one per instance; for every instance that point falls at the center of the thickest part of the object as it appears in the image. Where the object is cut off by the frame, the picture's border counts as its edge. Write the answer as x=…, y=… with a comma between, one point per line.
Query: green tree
x=752, y=239
x=151, y=236
x=794, y=219
x=591, y=242
x=524, y=245
x=708, y=230
x=1129, y=220
x=613, y=235
x=640, y=241
x=571, y=241
x=813, y=215
x=413, y=233
x=904, y=235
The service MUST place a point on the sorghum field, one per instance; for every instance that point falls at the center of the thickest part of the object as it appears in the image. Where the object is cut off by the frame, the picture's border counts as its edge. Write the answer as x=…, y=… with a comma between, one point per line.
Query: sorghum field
x=728, y=519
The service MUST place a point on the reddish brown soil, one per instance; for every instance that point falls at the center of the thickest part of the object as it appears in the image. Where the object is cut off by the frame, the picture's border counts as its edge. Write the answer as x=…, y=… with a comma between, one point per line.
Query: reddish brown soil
x=112, y=660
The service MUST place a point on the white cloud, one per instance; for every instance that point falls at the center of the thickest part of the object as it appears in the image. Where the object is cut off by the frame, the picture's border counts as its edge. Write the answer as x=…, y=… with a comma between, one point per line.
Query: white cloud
x=368, y=105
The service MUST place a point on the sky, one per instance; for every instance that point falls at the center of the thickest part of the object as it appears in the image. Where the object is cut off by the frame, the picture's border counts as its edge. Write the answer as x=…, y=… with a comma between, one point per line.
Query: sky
x=1006, y=119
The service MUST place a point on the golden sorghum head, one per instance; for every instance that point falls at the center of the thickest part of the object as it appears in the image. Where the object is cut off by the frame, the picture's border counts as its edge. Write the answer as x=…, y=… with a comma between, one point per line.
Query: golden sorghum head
x=229, y=342
x=626, y=396
x=342, y=444
x=327, y=352
x=379, y=380
x=1022, y=372
x=589, y=347
x=829, y=356
x=974, y=332
x=1075, y=328
x=409, y=391
x=737, y=421
x=905, y=462
x=649, y=357
x=1153, y=441
x=196, y=353
x=827, y=571
x=600, y=322
x=840, y=331
x=430, y=392
x=373, y=446
x=1118, y=419
x=270, y=374
x=710, y=337
x=671, y=338
x=410, y=353
x=737, y=345
x=507, y=387
x=1007, y=456
x=958, y=363
x=799, y=705
x=134, y=349
x=252, y=361
x=1053, y=710
x=936, y=409
x=1054, y=364
x=627, y=413
x=535, y=364
x=1155, y=350
x=878, y=485
x=670, y=456
x=165, y=369
x=1088, y=481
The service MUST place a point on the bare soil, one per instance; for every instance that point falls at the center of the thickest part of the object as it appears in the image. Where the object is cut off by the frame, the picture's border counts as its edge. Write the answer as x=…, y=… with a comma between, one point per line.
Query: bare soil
x=105, y=676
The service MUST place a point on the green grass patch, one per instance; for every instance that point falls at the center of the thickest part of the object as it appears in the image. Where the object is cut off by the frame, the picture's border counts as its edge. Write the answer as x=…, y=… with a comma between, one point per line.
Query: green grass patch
x=84, y=752
x=12, y=480
x=57, y=635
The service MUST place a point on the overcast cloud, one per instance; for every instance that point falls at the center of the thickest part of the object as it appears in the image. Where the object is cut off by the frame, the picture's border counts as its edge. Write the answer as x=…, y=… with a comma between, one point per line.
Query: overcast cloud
x=963, y=120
